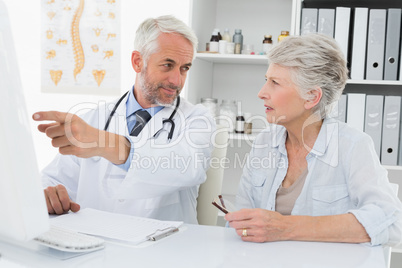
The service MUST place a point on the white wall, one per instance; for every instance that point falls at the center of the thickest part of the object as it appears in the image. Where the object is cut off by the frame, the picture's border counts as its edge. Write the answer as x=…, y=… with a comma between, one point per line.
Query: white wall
x=26, y=27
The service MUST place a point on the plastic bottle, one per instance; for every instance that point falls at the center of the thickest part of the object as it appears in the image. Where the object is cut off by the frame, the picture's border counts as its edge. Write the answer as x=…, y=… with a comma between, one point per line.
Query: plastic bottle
x=226, y=35
x=267, y=43
x=238, y=40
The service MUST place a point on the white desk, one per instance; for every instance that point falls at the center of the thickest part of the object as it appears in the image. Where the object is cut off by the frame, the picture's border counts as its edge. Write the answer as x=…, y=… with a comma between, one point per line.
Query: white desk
x=207, y=246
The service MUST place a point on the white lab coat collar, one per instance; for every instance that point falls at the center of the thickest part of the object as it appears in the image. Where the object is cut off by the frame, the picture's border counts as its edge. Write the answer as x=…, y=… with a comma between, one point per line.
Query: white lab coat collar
x=151, y=128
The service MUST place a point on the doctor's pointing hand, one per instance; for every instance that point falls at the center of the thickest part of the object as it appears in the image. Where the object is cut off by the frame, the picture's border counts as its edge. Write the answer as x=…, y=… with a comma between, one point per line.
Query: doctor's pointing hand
x=73, y=136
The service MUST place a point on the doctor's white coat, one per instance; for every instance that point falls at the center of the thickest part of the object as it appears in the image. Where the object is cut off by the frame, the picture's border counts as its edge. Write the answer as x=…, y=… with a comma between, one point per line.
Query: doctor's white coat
x=164, y=177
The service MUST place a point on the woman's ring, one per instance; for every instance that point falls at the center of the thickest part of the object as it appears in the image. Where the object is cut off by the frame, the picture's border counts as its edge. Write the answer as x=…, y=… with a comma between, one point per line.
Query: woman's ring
x=244, y=233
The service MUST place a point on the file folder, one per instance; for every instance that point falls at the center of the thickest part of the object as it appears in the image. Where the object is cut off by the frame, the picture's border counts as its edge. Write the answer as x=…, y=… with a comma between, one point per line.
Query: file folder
x=342, y=23
x=342, y=110
x=326, y=21
x=400, y=143
x=308, y=21
x=376, y=44
x=356, y=110
x=359, y=44
x=390, y=131
x=373, y=120
x=339, y=110
x=393, y=37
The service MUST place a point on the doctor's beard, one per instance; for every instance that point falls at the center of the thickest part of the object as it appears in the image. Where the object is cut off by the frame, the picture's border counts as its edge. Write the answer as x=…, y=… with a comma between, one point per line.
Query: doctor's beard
x=152, y=93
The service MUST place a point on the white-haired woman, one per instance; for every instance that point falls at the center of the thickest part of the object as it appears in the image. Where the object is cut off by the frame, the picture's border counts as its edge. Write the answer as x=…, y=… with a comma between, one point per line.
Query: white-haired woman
x=324, y=181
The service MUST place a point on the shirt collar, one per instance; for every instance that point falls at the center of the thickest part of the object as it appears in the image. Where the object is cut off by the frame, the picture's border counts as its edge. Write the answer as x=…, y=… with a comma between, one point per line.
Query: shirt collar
x=132, y=105
x=329, y=128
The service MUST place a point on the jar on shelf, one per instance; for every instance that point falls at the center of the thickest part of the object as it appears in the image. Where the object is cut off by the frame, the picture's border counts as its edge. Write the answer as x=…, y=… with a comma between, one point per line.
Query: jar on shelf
x=227, y=114
x=266, y=44
x=211, y=104
x=226, y=36
x=238, y=40
x=214, y=42
x=283, y=35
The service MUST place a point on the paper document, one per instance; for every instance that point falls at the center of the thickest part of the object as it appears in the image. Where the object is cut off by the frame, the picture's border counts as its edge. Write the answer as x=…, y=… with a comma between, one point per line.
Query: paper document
x=115, y=226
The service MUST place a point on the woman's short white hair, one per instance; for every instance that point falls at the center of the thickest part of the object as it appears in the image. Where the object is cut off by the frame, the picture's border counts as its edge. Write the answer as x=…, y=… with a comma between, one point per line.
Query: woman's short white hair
x=315, y=61
x=146, y=37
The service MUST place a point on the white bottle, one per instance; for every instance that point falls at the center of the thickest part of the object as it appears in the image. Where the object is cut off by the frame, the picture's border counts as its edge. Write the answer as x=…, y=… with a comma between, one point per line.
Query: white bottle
x=214, y=43
x=226, y=36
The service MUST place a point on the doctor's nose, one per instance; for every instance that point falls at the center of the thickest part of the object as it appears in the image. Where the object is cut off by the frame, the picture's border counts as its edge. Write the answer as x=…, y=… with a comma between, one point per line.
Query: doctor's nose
x=175, y=78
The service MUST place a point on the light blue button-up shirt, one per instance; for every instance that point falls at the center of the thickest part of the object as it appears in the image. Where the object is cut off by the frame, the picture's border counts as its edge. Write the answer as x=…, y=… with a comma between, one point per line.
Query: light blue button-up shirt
x=344, y=176
x=132, y=106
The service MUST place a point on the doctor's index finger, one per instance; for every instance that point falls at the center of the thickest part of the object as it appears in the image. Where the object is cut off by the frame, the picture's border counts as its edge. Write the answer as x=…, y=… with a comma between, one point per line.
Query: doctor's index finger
x=51, y=116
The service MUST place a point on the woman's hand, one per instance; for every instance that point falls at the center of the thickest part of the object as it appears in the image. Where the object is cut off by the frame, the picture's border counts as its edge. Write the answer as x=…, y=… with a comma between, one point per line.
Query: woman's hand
x=261, y=225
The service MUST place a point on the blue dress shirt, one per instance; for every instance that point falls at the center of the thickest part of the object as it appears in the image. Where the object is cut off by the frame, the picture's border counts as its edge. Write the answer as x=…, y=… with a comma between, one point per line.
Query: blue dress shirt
x=133, y=106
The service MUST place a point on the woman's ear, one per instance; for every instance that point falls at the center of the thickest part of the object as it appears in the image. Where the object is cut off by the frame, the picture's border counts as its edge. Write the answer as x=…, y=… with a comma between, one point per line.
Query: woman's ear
x=136, y=61
x=314, y=98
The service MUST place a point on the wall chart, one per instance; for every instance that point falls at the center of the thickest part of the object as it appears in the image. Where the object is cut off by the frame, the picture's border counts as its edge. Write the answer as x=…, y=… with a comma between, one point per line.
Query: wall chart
x=81, y=46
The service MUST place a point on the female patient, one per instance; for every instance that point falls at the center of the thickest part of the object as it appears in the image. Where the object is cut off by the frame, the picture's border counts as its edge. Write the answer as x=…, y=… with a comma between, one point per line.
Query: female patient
x=324, y=181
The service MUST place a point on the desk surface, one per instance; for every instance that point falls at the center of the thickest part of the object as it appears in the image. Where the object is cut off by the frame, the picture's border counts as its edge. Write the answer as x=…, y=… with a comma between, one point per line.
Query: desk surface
x=206, y=246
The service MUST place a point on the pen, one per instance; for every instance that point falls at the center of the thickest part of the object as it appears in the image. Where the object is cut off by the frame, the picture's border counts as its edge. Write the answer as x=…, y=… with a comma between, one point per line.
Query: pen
x=224, y=210
x=162, y=235
x=221, y=199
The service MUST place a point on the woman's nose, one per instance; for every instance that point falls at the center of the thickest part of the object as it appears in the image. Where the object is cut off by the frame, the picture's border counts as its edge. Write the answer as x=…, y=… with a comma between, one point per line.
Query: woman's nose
x=262, y=94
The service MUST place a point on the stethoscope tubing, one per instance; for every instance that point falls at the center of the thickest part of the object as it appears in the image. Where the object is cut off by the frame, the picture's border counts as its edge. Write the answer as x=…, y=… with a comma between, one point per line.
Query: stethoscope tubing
x=169, y=120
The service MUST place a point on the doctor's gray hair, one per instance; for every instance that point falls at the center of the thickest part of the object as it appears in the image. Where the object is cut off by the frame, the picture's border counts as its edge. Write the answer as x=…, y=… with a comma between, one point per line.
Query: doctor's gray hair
x=148, y=32
x=315, y=60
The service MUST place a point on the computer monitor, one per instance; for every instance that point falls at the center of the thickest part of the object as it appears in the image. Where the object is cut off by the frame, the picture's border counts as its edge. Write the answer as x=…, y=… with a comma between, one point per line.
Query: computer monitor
x=23, y=213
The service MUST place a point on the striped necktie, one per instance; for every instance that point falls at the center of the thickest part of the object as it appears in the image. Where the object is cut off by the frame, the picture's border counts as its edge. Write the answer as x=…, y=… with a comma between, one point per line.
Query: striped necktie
x=142, y=118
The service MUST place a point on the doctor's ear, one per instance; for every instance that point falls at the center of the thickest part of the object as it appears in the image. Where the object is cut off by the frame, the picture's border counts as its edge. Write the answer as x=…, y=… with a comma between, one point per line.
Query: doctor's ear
x=137, y=61
x=314, y=98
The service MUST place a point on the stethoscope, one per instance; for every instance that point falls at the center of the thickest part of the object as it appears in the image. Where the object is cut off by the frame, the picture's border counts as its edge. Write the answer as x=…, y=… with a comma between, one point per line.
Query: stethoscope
x=169, y=120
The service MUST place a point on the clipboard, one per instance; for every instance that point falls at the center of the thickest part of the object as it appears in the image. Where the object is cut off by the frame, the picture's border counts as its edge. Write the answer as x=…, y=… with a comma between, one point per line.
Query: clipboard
x=117, y=227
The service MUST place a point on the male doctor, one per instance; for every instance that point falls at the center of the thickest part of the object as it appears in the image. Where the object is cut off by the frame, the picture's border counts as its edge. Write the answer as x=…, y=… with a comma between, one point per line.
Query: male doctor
x=144, y=164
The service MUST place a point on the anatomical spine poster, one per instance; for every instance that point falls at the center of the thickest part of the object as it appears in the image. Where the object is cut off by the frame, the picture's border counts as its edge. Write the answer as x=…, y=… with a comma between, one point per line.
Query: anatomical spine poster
x=80, y=50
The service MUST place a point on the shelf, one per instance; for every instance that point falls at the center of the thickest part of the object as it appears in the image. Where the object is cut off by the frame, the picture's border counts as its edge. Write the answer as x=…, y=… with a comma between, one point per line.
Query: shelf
x=394, y=168
x=394, y=249
x=246, y=137
x=374, y=82
x=233, y=59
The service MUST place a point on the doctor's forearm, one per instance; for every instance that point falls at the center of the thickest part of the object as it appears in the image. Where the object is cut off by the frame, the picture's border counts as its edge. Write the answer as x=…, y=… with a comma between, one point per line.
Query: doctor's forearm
x=116, y=148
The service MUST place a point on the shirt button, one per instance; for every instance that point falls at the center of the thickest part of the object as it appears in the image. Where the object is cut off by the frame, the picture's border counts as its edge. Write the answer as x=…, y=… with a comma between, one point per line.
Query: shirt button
x=121, y=200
